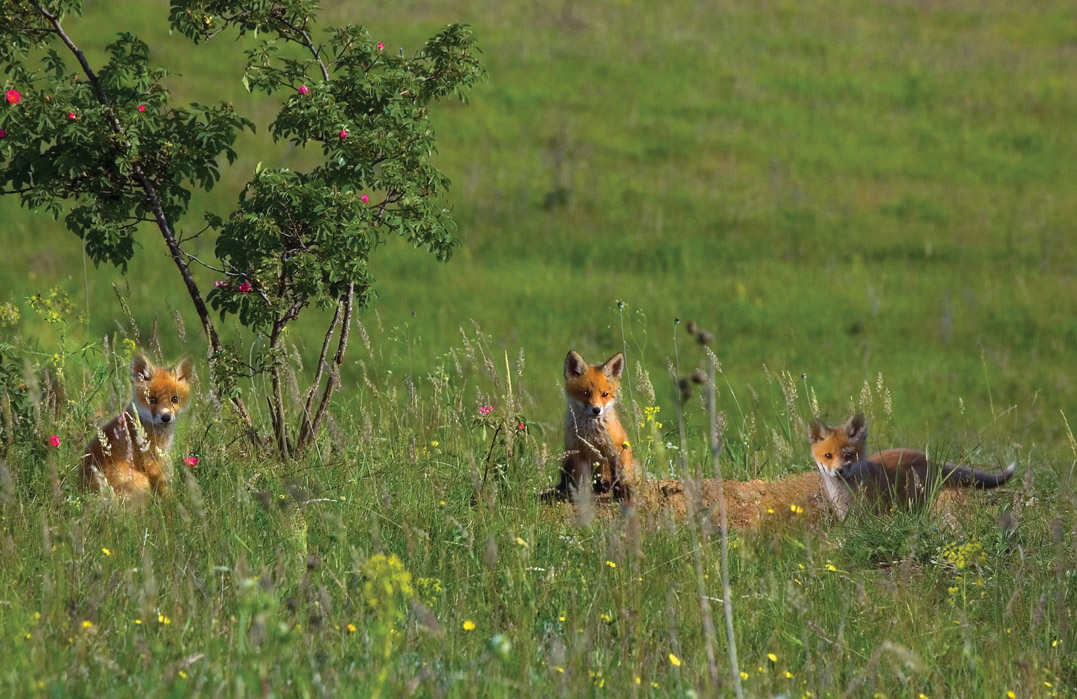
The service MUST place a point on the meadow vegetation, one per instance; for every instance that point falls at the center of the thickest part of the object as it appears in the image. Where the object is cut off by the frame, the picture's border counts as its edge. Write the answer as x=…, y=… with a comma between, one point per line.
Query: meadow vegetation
x=868, y=205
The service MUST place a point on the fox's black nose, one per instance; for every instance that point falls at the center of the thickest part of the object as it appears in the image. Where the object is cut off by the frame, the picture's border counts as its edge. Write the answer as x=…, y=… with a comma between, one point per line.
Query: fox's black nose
x=166, y=418
x=596, y=410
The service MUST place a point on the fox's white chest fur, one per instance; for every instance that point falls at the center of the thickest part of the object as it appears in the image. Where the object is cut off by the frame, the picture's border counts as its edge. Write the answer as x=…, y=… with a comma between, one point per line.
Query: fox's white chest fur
x=590, y=434
x=836, y=492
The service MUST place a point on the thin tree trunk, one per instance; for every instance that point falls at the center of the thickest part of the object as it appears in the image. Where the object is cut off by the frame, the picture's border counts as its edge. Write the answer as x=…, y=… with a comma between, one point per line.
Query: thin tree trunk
x=152, y=198
x=307, y=419
x=334, y=370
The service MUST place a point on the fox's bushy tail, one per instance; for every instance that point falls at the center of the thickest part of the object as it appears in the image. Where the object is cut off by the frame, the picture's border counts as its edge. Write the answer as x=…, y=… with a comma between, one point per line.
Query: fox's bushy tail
x=961, y=477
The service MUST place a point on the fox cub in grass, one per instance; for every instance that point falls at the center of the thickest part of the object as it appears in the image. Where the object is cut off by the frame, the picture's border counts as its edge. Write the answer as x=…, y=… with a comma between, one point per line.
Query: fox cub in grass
x=892, y=478
x=597, y=453
x=128, y=454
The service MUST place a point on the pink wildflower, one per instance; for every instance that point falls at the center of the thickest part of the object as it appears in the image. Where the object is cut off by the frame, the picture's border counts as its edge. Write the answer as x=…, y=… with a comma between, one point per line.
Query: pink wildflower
x=521, y=426
x=54, y=440
x=218, y=283
x=72, y=116
x=191, y=460
x=245, y=288
x=365, y=199
x=3, y=133
x=381, y=46
x=141, y=107
x=303, y=89
x=343, y=134
x=13, y=96
x=486, y=410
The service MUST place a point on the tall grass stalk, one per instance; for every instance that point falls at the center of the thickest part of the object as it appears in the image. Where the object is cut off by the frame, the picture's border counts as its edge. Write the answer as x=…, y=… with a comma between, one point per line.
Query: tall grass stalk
x=716, y=429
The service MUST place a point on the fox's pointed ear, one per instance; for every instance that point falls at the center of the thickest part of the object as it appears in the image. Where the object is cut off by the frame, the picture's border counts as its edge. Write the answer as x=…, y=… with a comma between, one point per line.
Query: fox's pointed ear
x=819, y=430
x=857, y=428
x=184, y=371
x=615, y=366
x=575, y=366
x=141, y=369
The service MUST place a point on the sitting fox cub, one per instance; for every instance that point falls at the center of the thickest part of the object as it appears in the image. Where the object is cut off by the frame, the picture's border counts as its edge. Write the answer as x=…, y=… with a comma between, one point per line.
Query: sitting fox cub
x=597, y=454
x=891, y=478
x=128, y=454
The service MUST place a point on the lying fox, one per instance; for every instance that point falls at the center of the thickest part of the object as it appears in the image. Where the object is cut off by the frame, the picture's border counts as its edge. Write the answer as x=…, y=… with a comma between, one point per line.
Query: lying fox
x=891, y=478
x=597, y=453
x=128, y=454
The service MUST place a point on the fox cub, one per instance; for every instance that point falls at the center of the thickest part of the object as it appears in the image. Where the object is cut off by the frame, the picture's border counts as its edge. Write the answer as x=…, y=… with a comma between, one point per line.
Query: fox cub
x=597, y=453
x=128, y=454
x=891, y=478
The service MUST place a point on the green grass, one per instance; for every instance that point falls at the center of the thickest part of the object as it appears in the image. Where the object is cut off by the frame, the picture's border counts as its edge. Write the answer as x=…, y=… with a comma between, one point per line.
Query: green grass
x=838, y=190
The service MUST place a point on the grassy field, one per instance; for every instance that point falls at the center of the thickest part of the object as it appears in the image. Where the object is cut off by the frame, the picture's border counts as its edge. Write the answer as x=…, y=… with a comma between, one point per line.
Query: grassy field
x=875, y=197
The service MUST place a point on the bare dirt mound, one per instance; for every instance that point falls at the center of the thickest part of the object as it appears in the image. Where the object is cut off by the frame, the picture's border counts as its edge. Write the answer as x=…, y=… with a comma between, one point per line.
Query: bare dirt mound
x=749, y=504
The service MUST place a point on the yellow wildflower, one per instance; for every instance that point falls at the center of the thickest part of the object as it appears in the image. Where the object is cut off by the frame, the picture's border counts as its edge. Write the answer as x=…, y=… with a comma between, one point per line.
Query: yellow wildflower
x=469, y=625
x=674, y=660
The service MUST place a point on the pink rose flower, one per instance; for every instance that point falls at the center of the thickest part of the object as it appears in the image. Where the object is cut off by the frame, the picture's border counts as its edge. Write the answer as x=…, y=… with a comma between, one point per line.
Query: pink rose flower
x=486, y=410
x=141, y=107
x=3, y=133
x=381, y=46
x=72, y=116
x=303, y=89
x=54, y=440
x=365, y=199
x=521, y=426
x=191, y=460
x=245, y=288
x=343, y=134
x=218, y=283
x=13, y=96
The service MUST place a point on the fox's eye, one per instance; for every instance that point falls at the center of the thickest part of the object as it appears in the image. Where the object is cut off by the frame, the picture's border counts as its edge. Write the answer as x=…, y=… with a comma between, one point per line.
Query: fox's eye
x=153, y=400
x=828, y=456
x=586, y=394
x=175, y=399
x=605, y=394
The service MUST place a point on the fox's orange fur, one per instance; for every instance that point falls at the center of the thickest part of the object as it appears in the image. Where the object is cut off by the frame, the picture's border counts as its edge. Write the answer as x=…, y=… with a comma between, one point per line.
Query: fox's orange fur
x=597, y=452
x=128, y=454
x=891, y=478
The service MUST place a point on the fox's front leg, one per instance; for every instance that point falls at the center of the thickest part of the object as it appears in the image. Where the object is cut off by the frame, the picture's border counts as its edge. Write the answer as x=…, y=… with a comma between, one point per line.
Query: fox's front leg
x=621, y=474
x=575, y=473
